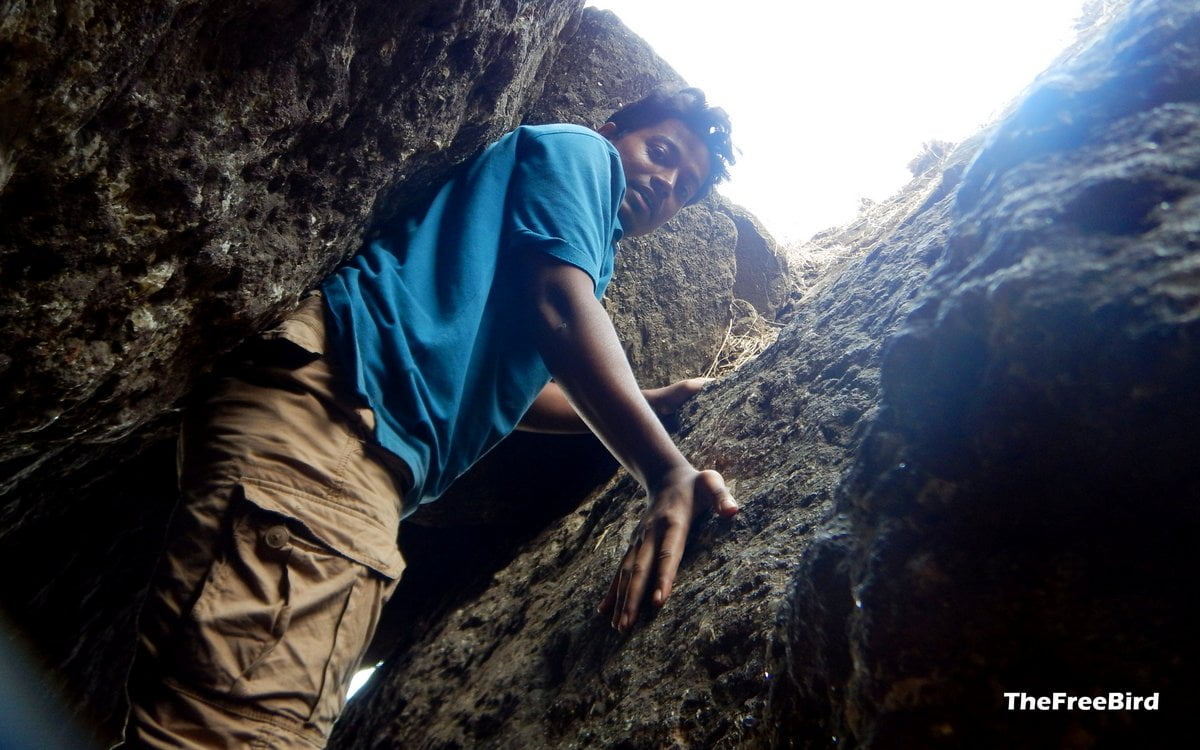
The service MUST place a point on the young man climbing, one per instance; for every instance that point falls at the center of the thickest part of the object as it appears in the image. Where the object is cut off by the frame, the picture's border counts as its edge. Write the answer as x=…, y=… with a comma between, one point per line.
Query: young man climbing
x=412, y=361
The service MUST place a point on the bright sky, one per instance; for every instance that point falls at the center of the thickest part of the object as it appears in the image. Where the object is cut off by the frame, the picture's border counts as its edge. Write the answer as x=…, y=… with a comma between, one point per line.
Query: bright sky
x=831, y=100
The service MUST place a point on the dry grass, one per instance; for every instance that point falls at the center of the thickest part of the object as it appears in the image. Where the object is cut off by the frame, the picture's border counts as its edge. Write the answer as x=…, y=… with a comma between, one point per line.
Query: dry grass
x=747, y=335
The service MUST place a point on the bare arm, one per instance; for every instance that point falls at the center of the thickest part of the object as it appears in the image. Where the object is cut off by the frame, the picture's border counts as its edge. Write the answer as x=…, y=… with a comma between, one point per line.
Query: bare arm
x=552, y=412
x=581, y=350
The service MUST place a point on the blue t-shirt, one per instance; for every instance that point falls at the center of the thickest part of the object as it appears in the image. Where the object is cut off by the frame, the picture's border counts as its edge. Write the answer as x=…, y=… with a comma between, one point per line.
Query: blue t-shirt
x=428, y=322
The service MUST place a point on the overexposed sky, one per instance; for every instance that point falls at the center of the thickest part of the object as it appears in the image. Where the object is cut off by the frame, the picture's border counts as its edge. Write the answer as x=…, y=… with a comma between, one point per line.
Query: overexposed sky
x=831, y=100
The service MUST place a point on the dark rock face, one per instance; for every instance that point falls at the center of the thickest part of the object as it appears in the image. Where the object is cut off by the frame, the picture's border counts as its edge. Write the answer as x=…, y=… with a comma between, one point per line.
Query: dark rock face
x=1025, y=506
x=967, y=468
x=763, y=276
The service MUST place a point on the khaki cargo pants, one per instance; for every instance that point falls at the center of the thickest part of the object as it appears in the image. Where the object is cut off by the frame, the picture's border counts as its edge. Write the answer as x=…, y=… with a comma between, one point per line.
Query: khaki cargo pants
x=279, y=559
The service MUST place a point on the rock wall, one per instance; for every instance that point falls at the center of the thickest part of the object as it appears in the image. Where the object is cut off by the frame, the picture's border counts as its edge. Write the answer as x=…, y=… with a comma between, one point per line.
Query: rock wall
x=1022, y=511
x=967, y=468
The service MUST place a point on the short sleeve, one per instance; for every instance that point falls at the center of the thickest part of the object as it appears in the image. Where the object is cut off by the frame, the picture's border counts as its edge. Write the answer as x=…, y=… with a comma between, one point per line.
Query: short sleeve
x=563, y=198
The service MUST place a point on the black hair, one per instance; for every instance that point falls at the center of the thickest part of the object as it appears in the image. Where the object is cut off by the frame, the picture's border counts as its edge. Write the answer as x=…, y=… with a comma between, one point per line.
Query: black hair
x=711, y=124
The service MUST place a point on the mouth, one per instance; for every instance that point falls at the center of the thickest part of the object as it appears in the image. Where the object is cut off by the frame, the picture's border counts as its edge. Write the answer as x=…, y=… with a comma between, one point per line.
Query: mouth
x=647, y=199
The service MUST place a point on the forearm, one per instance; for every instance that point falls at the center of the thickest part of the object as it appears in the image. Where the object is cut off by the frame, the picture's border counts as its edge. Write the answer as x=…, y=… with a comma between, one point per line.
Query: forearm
x=582, y=351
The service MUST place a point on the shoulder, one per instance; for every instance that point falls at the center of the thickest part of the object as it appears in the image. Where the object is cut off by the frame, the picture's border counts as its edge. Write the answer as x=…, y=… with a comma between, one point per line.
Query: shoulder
x=565, y=138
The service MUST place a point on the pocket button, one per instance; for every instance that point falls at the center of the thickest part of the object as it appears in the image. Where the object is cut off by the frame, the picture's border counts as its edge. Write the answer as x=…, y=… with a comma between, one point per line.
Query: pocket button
x=276, y=537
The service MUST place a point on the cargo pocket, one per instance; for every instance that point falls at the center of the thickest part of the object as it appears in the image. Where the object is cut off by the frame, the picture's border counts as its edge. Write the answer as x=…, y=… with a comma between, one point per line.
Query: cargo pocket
x=280, y=622
x=336, y=606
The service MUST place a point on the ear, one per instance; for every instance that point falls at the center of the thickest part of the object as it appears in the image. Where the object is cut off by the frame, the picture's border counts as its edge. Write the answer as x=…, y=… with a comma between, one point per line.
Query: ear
x=607, y=129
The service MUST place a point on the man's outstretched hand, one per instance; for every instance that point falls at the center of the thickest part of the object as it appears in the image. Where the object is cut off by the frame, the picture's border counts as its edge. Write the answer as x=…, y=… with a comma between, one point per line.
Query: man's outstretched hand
x=654, y=553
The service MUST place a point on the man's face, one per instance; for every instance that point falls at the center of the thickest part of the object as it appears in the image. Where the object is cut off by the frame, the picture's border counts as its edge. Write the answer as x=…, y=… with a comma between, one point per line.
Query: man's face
x=665, y=165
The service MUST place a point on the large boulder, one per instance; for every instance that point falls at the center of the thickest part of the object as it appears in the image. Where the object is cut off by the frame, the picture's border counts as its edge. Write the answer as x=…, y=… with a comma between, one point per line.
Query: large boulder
x=1021, y=519
x=967, y=470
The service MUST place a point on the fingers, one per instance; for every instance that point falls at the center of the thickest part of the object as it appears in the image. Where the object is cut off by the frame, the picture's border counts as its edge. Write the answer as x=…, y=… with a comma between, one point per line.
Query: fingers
x=710, y=484
x=667, y=400
x=655, y=552
x=614, y=600
x=610, y=598
x=650, y=557
x=692, y=386
x=633, y=584
x=669, y=555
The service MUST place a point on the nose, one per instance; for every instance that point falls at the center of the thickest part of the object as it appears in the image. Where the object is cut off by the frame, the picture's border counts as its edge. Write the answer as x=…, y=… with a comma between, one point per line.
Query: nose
x=663, y=183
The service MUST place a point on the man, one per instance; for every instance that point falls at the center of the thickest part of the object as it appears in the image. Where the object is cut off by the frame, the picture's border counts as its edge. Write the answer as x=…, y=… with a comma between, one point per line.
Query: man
x=414, y=359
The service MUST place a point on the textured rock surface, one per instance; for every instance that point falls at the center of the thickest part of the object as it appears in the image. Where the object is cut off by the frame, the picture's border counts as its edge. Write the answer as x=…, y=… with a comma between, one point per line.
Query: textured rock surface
x=763, y=276
x=967, y=468
x=1026, y=505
